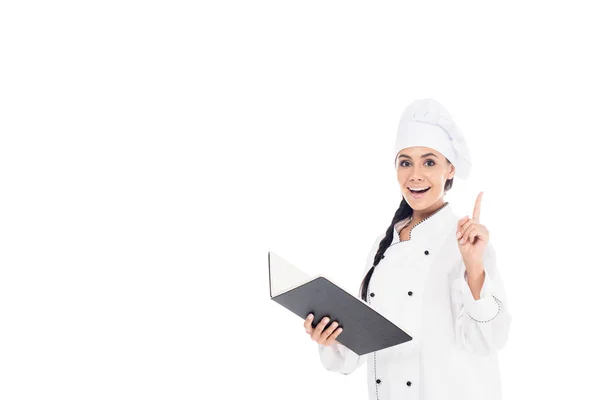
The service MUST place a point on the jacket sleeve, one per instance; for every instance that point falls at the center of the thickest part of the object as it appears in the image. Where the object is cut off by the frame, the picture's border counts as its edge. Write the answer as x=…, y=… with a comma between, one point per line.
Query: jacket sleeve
x=481, y=326
x=337, y=357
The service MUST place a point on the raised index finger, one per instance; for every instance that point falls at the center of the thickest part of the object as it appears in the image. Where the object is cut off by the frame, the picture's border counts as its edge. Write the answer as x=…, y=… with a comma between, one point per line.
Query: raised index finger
x=477, y=209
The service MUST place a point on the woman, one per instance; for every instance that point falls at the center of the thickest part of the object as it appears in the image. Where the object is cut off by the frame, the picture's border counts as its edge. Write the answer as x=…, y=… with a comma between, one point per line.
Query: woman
x=434, y=275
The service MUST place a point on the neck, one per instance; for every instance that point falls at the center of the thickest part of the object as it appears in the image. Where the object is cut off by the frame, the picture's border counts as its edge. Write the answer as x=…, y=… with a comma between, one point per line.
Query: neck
x=420, y=215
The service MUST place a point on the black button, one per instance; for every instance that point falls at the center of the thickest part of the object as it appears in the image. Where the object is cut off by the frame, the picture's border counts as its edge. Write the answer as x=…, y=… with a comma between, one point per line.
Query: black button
x=378, y=381
x=408, y=383
x=372, y=294
x=410, y=293
x=426, y=252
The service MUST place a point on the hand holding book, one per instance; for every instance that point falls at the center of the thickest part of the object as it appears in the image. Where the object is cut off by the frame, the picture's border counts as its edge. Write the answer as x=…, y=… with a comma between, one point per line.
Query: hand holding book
x=325, y=337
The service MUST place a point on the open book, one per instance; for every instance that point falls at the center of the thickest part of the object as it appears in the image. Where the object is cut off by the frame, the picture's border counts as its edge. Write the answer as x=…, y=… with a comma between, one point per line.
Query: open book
x=364, y=329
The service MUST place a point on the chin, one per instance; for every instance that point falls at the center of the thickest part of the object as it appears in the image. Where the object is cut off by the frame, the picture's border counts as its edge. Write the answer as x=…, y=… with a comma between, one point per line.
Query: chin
x=419, y=205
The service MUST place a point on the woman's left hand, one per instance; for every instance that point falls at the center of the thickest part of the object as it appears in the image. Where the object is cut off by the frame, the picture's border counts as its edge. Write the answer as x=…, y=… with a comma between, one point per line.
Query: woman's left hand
x=472, y=238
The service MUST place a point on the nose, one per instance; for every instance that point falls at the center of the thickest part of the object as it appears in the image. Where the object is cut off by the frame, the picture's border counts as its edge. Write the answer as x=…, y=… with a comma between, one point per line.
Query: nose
x=416, y=177
x=416, y=174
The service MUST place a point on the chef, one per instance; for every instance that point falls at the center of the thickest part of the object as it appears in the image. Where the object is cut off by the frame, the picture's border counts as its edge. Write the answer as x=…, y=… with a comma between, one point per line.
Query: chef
x=432, y=273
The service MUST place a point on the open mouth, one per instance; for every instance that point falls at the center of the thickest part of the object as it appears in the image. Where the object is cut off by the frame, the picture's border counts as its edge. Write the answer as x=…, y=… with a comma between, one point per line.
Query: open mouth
x=419, y=191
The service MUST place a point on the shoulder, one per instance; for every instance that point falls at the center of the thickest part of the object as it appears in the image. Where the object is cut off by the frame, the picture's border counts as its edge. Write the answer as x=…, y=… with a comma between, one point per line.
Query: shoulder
x=379, y=237
x=375, y=244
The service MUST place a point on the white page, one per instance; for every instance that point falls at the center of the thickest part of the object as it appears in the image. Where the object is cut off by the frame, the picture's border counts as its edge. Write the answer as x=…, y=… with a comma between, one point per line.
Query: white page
x=284, y=276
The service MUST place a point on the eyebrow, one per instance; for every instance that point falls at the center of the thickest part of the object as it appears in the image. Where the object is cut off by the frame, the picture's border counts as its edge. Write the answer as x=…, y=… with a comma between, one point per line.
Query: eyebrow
x=423, y=156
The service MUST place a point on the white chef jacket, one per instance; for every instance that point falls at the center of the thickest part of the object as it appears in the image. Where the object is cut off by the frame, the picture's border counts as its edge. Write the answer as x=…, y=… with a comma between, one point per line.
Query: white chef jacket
x=420, y=285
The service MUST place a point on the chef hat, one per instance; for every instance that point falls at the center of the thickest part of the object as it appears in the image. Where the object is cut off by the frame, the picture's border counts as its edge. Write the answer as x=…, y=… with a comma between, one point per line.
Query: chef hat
x=427, y=123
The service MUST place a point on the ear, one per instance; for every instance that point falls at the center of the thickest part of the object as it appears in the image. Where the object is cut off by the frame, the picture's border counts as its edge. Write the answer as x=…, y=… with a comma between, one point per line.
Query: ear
x=452, y=172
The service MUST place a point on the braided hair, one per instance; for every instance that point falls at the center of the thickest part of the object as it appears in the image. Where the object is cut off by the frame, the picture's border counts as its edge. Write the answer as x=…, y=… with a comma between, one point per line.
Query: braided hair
x=403, y=211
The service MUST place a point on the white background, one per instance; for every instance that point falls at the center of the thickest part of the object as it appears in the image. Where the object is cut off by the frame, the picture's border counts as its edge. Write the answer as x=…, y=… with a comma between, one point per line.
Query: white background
x=153, y=152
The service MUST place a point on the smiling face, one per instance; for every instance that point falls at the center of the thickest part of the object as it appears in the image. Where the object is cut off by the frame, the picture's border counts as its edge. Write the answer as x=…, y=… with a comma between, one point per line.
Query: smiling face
x=419, y=168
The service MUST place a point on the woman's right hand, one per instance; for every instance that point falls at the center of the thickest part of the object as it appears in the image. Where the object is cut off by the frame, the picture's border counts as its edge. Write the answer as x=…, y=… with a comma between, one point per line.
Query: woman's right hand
x=326, y=337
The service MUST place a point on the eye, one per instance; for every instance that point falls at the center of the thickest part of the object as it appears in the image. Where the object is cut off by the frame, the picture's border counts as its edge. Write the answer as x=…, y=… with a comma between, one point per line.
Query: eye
x=402, y=163
x=432, y=162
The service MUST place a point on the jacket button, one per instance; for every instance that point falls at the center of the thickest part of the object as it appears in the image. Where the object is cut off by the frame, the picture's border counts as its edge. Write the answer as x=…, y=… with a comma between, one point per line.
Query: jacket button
x=372, y=294
x=410, y=293
x=426, y=252
x=378, y=381
x=408, y=383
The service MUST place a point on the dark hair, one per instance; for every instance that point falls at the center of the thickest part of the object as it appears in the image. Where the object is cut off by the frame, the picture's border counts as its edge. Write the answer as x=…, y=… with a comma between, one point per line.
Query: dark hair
x=403, y=211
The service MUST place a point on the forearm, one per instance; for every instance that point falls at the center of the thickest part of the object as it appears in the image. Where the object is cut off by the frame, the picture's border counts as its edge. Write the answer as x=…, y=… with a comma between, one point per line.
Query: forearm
x=338, y=358
x=475, y=278
x=480, y=306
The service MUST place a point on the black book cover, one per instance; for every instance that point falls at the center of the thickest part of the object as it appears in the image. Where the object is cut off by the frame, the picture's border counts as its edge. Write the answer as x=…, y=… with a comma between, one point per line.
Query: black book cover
x=364, y=329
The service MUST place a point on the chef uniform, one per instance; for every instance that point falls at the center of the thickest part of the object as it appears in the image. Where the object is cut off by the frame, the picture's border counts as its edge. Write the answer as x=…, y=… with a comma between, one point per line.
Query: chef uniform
x=421, y=286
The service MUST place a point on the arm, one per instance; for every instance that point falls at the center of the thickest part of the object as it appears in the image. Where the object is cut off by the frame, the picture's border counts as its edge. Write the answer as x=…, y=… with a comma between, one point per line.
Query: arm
x=337, y=357
x=481, y=317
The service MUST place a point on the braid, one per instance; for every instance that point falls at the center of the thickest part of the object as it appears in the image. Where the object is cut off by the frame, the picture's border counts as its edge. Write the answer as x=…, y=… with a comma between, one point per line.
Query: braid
x=403, y=211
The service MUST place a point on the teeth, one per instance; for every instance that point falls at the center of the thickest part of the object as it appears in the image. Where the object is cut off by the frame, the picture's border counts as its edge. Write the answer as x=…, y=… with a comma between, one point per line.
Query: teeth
x=418, y=189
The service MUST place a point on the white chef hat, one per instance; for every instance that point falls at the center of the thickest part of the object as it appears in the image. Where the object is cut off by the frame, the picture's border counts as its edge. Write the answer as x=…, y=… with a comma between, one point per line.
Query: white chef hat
x=427, y=123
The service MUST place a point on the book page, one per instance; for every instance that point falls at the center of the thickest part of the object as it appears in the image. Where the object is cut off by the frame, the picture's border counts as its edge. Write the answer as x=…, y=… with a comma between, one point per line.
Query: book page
x=283, y=275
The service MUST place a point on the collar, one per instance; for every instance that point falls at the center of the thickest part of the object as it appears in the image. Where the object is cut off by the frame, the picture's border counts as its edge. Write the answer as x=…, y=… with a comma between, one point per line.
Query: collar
x=442, y=220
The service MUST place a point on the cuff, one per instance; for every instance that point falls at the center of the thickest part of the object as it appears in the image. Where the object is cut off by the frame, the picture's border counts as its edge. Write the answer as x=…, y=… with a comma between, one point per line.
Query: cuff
x=486, y=308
